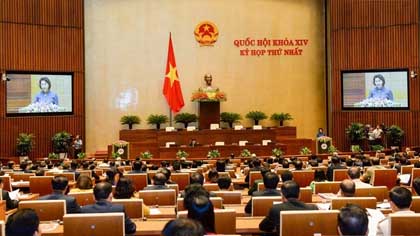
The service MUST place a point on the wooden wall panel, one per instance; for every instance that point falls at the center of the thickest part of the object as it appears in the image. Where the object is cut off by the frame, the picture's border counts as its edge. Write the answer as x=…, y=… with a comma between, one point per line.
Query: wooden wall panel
x=373, y=34
x=44, y=36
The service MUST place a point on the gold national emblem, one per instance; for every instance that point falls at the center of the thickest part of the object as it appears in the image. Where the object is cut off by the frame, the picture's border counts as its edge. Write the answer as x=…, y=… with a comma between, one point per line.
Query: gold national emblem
x=206, y=33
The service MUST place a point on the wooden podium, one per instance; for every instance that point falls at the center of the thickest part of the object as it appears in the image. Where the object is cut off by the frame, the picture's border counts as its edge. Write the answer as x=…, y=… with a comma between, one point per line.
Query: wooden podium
x=209, y=113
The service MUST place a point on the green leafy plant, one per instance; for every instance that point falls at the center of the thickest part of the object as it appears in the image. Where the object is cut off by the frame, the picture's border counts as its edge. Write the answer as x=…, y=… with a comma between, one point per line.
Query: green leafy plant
x=356, y=133
x=81, y=155
x=115, y=155
x=61, y=142
x=377, y=147
x=185, y=118
x=24, y=144
x=356, y=148
x=230, y=118
x=52, y=156
x=181, y=154
x=395, y=135
x=245, y=153
x=155, y=119
x=146, y=155
x=305, y=151
x=256, y=116
x=277, y=152
x=213, y=154
x=130, y=120
x=281, y=117
x=332, y=149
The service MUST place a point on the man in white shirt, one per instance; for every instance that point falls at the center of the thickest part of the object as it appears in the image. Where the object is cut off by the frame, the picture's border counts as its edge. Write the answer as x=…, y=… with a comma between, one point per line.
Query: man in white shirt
x=400, y=200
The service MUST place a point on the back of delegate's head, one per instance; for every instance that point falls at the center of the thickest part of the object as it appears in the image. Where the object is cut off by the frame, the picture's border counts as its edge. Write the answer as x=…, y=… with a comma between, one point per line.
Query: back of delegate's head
x=290, y=189
x=335, y=160
x=224, y=182
x=191, y=192
x=353, y=172
x=159, y=179
x=24, y=222
x=102, y=191
x=298, y=164
x=319, y=175
x=220, y=165
x=286, y=175
x=59, y=183
x=166, y=172
x=348, y=188
x=137, y=165
x=202, y=210
x=352, y=220
x=183, y=227
x=196, y=178
x=401, y=197
x=416, y=185
x=271, y=180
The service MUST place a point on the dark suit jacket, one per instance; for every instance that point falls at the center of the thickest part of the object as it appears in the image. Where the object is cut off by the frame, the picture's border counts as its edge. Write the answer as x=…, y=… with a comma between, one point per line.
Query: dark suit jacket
x=156, y=187
x=103, y=206
x=265, y=193
x=10, y=204
x=71, y=204
x=272, y=221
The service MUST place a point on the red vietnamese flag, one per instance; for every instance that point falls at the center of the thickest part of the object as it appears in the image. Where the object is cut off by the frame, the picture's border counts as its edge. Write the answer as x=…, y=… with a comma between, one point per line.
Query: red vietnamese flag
x=171, y=86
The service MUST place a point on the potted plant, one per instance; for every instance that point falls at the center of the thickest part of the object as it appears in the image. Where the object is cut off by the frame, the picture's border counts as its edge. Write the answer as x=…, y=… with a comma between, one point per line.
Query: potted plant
x=281, y=117
x=245, y=153
x=61, y=143
x=81, y=155
x=155, y=119
x=52, y=156
x=256, y=116
x=277, y=152
x=146, y=155
x=130, y=120
x=305, y=151
x=115, y=155
x=395, y=135
x=24, y=144
x=213, y=154
x=332, y=149
x=377, y=147
x=181, y=154
x=230, y=118
x=185, y=118
x=356, y=133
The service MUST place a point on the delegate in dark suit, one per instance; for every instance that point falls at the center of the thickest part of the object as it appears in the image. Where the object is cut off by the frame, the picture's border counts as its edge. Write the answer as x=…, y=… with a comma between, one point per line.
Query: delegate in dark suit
x=71, y=204
x=104, y=206
x=270, y=180
x=10, y=204
x=290, y=192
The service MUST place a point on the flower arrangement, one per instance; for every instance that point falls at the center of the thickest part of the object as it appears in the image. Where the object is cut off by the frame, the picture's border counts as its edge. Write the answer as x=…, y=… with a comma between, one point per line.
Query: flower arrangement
x=305, y=151
x=115, y=155
x=332, y=149
x=324, y=139
x=120, y=144
x=277, y=152
x=213, y=154
x=146, y=155
x=245, y=153
x=209, y=96
x=41, y=107
x=377, y=102
x=377, y=148
x=182, y=154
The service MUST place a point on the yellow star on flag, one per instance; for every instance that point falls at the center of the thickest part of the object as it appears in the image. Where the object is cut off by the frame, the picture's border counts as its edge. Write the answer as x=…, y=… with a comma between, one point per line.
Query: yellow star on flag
x=172, y=74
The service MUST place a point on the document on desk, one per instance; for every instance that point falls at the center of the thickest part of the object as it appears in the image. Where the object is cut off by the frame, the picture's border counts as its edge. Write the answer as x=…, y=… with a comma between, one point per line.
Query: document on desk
x=154, y=211
x=14, y=195
x=374, y=216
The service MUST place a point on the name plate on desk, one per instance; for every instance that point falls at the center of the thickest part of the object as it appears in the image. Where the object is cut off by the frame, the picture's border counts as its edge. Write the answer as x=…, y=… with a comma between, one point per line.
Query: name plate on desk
x=242, y=143
x=190, y=128
x=265, y=142
x=239, y=127
x=168, y=144
x=169, y=129
x=257, y=127
x=214, y=126
x=219, y=144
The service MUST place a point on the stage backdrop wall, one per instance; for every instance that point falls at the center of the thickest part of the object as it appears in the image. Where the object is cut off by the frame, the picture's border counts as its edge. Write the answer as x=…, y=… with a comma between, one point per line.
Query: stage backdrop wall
x=126, y=49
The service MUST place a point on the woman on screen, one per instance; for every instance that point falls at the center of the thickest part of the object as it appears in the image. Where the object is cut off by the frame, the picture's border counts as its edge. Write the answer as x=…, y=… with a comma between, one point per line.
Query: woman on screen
x=46, y=96
x=379, y=91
